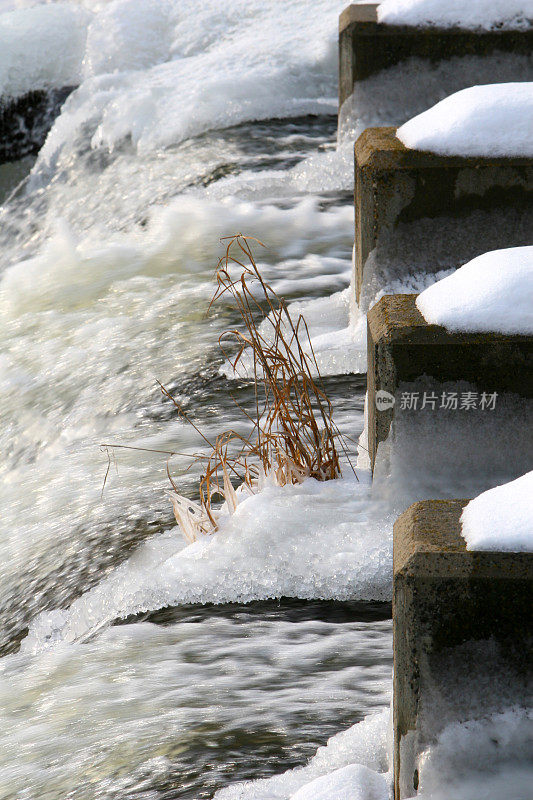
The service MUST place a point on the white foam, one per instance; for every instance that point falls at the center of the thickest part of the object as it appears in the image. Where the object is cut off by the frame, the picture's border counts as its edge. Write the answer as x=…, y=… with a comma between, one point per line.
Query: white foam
x=233, y=63
x=485, y=14
x=183, y=237
x=501, y=518
x=493, y=292
x=42, y=47
x=490, y=120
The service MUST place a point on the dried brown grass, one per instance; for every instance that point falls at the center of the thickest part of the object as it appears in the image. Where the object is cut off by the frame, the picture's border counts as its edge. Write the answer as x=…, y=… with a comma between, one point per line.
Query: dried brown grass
x=293, y=434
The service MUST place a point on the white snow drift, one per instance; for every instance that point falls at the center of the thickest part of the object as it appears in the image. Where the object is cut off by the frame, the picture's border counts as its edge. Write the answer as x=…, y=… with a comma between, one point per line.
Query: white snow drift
x=502, y=518
x=493, y=292
x=491, y=120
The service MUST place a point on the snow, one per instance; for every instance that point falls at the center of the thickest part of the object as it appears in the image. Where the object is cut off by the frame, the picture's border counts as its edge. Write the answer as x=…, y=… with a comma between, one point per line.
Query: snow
x=42, y=48
x=501, y=518
x=354, y=782
x=392, y=96
x=493, y=292
x=485, y=14
x=490, y=120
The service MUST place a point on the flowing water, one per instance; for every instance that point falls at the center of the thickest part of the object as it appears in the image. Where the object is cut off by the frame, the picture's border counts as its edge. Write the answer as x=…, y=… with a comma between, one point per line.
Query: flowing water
x=107, y=255
x=190, y=123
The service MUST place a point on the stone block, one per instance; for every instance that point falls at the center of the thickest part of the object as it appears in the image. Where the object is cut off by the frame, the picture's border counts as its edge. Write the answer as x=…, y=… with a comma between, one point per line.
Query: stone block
x=367, y=47
x=403, y=347
x=447, y=600
x=395, y=187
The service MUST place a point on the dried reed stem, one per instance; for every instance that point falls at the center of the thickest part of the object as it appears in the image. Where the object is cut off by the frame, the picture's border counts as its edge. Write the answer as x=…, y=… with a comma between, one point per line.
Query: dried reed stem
x=293, y=435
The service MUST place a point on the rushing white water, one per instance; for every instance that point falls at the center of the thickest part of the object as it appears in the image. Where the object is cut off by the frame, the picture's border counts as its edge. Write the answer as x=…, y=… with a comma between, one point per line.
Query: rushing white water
x=190, y=123
x=181, y=708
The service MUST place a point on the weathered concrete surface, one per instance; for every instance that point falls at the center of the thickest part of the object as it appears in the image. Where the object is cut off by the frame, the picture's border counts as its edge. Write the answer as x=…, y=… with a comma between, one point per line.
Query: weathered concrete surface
x=25, y=121
x=402, y=347
x=444, y=596
x=366, y=46
x=395, y=185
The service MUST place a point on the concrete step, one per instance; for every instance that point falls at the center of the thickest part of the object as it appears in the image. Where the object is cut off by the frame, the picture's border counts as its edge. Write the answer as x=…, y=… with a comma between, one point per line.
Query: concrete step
x=442, y=210
x=403, y=347
x=452, y=607
x=366, y=47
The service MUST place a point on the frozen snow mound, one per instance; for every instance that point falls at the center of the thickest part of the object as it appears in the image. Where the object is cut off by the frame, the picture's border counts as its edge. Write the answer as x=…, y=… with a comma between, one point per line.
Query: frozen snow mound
x=354, y=782
x=42, y=48
x=502, y=518
x=476, y=14
x=493, y=292
x=491, y=120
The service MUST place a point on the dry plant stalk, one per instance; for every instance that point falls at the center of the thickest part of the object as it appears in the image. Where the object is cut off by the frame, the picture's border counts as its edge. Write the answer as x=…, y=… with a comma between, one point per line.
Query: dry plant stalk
x=293, y=435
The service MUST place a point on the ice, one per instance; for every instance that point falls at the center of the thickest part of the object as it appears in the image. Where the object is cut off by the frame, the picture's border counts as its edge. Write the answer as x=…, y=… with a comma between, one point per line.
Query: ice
x=314, y=540
x=484, y=14
x=491, y=120
x=488, y=757
x=420, y=252
x=493, y=292
x=42, y=47
x=398, y=93
x=328, y=540
x=363, y=744
x=501, y=518
x=472, y=448
x=354, y=782
x=232, y=63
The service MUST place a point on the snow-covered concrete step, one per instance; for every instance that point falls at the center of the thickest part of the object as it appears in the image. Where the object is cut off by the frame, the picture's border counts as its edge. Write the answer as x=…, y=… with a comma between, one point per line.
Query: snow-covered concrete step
x=403, y=347
x=418, y=212
x=462, y=635
x=366, y=46
x=26, y=120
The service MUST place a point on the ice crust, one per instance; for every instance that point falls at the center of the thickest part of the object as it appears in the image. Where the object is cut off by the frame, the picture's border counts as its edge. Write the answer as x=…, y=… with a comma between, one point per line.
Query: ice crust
x=318, y=540
x=501, y=518
x=491, y=120
x=493, y=292
x=484, y=14
x=223, y=59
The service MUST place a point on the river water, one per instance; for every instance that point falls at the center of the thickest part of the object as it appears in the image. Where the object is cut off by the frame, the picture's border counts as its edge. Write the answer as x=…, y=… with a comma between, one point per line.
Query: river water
x=236, y=658
x=107, y=255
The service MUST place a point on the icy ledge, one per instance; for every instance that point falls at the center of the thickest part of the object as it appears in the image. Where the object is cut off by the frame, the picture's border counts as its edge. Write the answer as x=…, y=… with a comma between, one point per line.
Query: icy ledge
x=493, y=292
x=483, y=14
x=502, y=518
x=491, y=120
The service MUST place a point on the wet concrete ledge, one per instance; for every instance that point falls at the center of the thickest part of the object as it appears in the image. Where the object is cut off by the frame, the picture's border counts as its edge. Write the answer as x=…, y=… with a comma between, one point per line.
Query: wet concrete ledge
x=366, y=46
x=444, y=596
x=25, y=121
x=394, y=185
x=403, y=347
